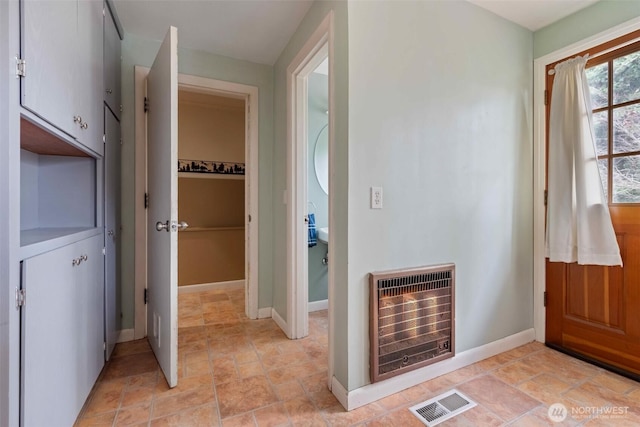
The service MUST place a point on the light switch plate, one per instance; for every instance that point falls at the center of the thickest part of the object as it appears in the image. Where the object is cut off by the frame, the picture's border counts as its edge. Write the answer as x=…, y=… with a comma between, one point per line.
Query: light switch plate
x=376, y=197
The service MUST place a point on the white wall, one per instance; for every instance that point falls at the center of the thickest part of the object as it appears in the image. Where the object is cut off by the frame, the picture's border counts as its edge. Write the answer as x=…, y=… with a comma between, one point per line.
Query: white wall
x=440, y=117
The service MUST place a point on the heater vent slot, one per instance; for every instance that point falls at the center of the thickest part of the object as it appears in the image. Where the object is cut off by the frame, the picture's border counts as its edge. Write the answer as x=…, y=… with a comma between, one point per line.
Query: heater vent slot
x=412, y=319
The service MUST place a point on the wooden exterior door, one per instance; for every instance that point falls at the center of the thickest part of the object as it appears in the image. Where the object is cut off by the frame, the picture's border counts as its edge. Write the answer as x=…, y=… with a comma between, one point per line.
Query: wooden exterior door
x=594, y=311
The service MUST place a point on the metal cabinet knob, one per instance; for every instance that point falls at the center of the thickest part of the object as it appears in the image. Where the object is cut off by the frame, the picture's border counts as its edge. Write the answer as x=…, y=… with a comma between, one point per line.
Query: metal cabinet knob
x=162, y=226
x=182, y=225
x=84, y=125
x=110, y=233
x=77, y=119
x=109, y=91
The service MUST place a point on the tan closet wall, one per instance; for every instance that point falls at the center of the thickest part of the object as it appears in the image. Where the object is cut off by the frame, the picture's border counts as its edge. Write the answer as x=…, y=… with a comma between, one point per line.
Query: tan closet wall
x=212, y=248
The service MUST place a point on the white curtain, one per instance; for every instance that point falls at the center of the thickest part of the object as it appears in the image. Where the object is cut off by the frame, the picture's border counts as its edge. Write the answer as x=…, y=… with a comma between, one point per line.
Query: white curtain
x=579, y=225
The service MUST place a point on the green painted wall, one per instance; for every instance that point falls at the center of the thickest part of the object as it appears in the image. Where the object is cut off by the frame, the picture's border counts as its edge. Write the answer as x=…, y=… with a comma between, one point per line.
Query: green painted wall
x=318, y=105
x=583, y=24
x=140, y=51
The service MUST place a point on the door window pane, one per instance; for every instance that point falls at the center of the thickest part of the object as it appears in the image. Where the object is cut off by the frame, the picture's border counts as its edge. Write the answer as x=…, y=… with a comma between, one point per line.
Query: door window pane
x=603, y=166
x=598, y=78
x=626, y=78
x=626, y=129
x=626, y=179
x=601, y=132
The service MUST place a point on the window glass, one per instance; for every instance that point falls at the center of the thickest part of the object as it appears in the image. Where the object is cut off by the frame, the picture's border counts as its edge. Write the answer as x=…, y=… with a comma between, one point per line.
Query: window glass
x=626, y=129
x=598, y=78
x=626, y=78
x=601, y=132
x=626, y=179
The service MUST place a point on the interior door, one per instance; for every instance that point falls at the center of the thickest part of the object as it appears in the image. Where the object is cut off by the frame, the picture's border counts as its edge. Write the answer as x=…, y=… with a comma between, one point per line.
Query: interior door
x=162, y=184
x=112, y=229
x=593, y=311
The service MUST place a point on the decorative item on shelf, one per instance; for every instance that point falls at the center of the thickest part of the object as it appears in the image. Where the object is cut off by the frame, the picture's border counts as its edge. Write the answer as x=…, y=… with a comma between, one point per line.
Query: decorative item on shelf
x=210, y=166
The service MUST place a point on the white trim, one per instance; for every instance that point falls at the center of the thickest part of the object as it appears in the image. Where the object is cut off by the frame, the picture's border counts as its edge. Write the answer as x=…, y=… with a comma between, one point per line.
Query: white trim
x=318, y=305
x=278, y=319
x=126, y=335
x=222, y=88
x=314, y=51
x=339, y=392
x=203, y=287
x=372, y=392
x=264, y=313
x=540, y=64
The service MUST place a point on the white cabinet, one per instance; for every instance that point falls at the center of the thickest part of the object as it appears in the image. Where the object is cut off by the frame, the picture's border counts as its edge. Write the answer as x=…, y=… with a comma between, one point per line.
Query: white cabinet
x=112, y=62
x=62, y=331
x=62, y=50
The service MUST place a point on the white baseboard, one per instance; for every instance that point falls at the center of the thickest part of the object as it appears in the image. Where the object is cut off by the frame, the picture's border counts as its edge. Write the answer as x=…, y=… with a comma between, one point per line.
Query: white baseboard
x=232, y=284
x=318, y=305
x=279, y=321
x=372, y=392
x=126, y=335
x=264, y=313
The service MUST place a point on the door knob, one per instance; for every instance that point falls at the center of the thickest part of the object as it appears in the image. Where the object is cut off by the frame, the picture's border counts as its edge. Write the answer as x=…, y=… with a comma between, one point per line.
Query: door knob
x=162, y=226
x=110, y=233
x=182, y=225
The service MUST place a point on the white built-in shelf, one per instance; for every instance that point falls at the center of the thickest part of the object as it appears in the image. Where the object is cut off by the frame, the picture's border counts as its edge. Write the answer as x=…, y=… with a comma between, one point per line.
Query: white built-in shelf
x=199, y=175
x=201, y=229
x=37, y=241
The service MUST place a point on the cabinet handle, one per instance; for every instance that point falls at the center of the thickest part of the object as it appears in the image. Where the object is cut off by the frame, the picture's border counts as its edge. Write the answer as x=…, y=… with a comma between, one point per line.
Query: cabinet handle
x=84, y=125
x=77, y=119
x=78, y=261
x=84, y=257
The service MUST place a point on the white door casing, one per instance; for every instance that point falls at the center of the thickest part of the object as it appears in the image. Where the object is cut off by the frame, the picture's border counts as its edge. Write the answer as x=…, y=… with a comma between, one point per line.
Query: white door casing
x=162, y=175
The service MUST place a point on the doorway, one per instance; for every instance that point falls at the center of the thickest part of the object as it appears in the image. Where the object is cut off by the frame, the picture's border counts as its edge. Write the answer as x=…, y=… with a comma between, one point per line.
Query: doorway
x=232, y=96
x=317, y=49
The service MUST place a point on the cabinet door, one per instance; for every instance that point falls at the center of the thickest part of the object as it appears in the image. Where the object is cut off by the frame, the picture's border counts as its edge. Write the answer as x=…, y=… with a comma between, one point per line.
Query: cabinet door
x=89, y=74
x=112, y=63
x=112, y=226
x=49, y=40
x=62, y=332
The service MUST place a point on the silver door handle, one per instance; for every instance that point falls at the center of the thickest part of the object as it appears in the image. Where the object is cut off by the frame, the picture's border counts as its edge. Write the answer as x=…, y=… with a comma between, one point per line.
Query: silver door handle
x=162, y=226
x=182, y=225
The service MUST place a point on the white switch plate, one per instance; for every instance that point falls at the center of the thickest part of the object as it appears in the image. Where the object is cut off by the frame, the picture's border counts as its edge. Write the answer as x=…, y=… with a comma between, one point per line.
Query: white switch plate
x=376, y=197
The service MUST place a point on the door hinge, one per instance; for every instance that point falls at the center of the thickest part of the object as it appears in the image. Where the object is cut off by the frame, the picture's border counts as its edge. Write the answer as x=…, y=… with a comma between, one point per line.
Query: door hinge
x=146, y=200
x=146, y=104
x=104, y=346
x=146, y=295
x=21, y=67
x=249, y=218
x=104, y=139
x=104, y=12
x=104, y=251
x=21, y=297
x=546, y=97
x=546, y=196
x=120, y=141
x=544, y=298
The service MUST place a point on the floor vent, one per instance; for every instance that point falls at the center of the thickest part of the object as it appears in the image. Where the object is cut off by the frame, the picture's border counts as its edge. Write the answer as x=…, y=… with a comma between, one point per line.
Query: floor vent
x=411, y=319
x=442, y=407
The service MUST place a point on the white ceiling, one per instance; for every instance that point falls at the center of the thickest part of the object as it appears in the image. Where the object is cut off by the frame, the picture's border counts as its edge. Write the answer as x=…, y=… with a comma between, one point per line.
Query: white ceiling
x=258, y=30
x=252, y=30
x=533, y=14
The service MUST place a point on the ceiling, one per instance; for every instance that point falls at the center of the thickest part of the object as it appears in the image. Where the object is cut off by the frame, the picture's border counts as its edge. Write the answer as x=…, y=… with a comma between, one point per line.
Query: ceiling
x=258, y=30
x=533, y=14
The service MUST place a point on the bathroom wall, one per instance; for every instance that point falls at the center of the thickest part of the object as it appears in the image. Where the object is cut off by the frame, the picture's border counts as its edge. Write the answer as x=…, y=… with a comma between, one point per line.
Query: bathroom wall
x=318, y=104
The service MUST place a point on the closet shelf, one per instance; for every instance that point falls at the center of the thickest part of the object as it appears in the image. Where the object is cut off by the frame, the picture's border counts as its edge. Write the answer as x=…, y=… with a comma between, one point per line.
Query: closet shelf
x=201, y=229
x=198, y=175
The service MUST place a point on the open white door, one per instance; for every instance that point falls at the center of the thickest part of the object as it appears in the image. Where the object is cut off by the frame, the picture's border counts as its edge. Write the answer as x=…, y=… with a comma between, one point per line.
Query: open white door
x=162, y=185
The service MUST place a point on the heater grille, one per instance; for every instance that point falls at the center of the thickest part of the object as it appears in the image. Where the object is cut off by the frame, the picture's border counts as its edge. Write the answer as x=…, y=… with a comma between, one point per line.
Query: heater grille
x=412, y=318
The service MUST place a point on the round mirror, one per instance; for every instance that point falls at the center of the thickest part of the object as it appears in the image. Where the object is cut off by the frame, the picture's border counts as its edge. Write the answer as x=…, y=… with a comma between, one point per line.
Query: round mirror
x=321, y=158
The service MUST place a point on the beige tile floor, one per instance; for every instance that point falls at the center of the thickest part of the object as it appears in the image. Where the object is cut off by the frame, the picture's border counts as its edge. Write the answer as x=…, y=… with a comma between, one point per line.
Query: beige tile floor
x=239, y=372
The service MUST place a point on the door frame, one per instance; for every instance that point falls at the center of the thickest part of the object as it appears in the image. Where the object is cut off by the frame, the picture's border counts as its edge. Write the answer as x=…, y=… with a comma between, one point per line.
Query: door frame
x=319, y=46
x=215, y=87
x=539, y=156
